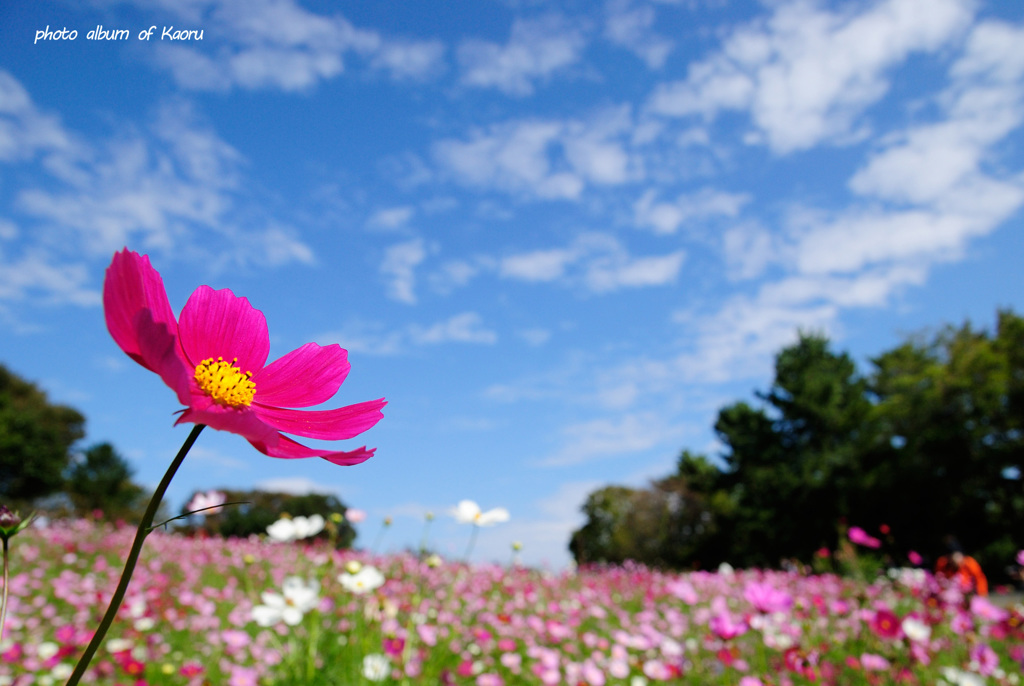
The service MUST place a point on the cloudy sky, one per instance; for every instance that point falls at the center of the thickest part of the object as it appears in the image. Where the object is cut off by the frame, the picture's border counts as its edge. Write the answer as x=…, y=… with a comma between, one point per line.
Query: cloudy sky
x=556, y=236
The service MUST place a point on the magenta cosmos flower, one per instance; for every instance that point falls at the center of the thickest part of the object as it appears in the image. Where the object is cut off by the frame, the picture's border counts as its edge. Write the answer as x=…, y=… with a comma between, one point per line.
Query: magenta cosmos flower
x=214, y=357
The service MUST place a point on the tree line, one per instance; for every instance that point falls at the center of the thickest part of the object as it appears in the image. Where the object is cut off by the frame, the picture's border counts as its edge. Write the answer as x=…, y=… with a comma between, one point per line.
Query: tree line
x=43, y=468
x=928, y=443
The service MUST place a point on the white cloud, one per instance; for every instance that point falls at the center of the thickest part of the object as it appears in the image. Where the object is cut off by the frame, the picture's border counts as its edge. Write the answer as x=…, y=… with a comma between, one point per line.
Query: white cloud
x=399, y=266
x=932, y=164
x=409, y=59
x=632, y=28
x=366, y=339
x=536, y=50
x=807, y=74
x=596, y=262
x=391, y=218
x=603, y=438
x=667, y=217
x=538, y=265
x=151, y=189
x=535, y=337
x=512, y=157
x=39, y=275
x=24, y=130
x=279, y=44
x=748, y=249
x=375, y=339
x=457, y=273
x=613, y=273
x=549, y=159
x=295, y=485
x=461, y=328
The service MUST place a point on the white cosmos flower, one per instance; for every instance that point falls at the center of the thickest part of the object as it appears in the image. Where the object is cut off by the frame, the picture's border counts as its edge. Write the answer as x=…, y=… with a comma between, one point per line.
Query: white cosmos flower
x=469, y=512
x=297, y=597
x=366, y=579
x=296, y=528
x=916, y=630
x=376, y=667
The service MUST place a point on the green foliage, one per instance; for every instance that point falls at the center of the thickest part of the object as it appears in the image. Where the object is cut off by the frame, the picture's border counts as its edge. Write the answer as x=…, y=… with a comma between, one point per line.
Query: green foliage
x=35, y=440
x=101, y=480
x=930, y=442
x=260, y=509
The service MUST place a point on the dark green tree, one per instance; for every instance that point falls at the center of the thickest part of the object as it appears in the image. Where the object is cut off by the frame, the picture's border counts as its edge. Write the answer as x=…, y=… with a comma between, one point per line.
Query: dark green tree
x=791, y=465
x=930, y=442
x=101, y=480
x=35, y=440
x=600, y=538
x=950, y=449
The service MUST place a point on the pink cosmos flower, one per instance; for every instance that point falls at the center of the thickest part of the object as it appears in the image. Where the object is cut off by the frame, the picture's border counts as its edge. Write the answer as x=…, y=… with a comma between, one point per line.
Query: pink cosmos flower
x=915, y=558
x=860, y=537
x=986, y=659
x=214, y=358
x=874, y=663
x=983, y=609
x=766, y=598
x=1020, y=557
x=355, y=516
x=886, y=624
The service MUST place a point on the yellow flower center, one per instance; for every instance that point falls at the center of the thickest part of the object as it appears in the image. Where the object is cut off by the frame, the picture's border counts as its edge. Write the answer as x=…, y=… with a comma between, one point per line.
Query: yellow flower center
x=225, y=382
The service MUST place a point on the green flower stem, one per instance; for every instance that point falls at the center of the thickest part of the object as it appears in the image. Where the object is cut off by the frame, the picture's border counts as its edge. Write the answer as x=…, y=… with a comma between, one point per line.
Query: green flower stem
x=7, y=583
x=472, y=541
x=145, y=526
x=426, y=537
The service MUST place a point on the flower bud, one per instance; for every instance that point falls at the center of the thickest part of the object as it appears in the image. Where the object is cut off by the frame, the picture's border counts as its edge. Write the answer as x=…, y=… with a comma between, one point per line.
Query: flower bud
x=11, y=523
x=8, y=519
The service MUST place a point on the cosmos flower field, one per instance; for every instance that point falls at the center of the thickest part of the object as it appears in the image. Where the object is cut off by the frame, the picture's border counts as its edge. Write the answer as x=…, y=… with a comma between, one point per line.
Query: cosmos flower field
x=247, y=612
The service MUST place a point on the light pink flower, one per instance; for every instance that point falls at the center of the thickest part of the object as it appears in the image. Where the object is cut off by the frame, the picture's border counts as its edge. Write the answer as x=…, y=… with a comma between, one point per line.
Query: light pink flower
x=210, y=502
x=985, y=657
x=873, y=663
x=214, y=358
x=355, y=516
x=1020, y=557
x=982, y=608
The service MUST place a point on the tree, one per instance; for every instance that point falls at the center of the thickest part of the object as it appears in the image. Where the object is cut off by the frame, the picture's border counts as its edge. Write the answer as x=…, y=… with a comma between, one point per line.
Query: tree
x=929, y=442
x=260, y=509
x=101, y=480
x=600, y=538
x=950, y=449
x=792, y=464
x=35, y=440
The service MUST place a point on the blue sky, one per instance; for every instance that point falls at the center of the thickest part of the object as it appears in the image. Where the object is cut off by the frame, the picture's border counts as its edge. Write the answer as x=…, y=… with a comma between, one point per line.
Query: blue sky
x=557, y=237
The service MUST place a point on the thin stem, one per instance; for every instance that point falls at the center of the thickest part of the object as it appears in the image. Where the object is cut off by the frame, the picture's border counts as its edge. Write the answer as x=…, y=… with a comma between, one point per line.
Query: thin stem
x=472, y=540
x=3, y=603
x=426, y=537
x=133, y=557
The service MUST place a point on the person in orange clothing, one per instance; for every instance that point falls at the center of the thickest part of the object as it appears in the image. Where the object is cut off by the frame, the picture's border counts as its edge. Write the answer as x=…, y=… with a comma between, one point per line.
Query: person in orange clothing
x=963, y=569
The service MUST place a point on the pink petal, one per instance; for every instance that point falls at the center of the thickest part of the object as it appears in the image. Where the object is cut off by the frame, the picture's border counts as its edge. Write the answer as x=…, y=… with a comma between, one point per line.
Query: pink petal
x=331, y=425
x=131, y=287
x=286, y=448
x=161, y=353
x=220, y=324
x=304, y=377
x=243, y=422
